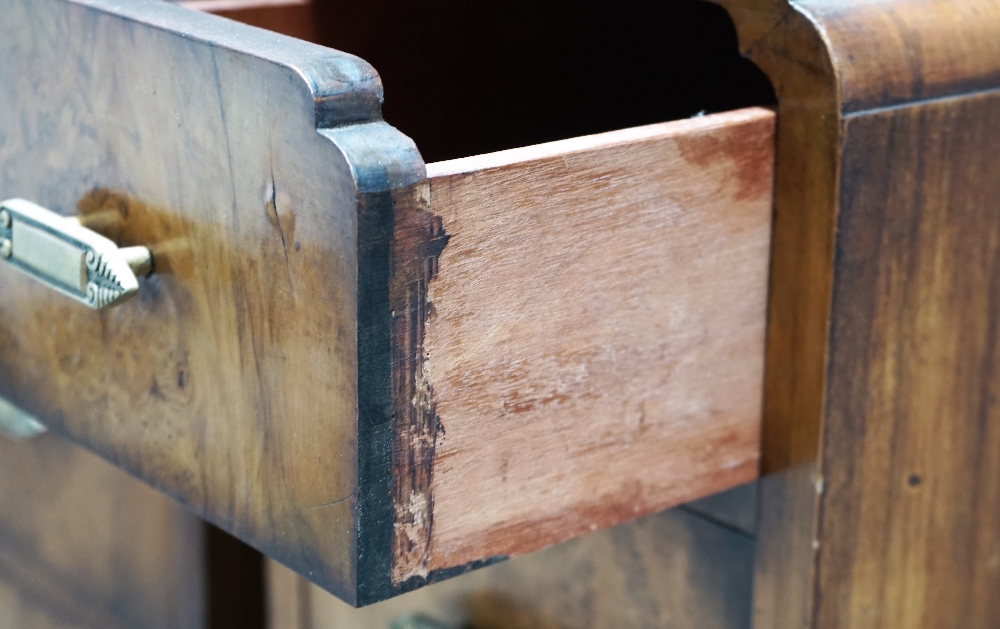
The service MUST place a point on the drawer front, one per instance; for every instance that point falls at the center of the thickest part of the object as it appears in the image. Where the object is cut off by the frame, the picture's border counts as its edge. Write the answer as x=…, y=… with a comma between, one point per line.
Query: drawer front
x=229, y=382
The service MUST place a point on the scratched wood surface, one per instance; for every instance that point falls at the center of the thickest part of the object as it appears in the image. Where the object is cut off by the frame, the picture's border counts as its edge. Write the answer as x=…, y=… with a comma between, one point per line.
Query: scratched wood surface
x=82, y=545
x=879, y=508
x=666, y=570
x=737, y=508
x=591, y=340
x=231, y=382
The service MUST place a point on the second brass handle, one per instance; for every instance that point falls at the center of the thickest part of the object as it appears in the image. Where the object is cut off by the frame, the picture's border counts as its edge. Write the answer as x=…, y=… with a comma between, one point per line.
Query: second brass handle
x=69, y=258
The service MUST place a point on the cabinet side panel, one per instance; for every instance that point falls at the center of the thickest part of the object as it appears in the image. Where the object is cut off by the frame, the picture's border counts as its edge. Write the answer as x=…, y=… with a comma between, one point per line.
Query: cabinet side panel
x=910, y=512
x=230, y=382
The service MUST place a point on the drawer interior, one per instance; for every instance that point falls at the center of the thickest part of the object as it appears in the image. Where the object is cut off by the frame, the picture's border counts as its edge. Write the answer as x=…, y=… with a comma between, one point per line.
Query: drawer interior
x=464, y=78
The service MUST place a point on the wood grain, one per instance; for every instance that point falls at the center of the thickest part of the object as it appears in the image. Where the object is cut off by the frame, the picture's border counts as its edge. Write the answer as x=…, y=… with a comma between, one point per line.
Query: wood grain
x=910, y=519
x=786, y=43
x=891, y=53
x=877, y=431
x=82, y=545
x=281, y=372
x=666, y=570
x=590, y=346
x=231, y=382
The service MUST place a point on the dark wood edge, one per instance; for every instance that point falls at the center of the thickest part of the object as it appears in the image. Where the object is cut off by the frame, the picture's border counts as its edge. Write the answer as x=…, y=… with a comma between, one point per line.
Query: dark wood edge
x=400, y=244
x=418, y=239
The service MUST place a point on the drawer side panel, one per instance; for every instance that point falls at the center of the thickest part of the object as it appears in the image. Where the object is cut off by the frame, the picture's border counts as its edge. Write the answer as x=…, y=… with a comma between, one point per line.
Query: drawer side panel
x=589, y=347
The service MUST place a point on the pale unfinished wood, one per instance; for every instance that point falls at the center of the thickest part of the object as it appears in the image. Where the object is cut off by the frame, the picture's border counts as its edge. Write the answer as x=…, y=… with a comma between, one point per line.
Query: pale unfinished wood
x=592, y=348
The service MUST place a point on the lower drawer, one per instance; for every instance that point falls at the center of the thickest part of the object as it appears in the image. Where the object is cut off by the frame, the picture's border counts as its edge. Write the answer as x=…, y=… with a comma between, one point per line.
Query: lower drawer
x=82, y=545
x=378, y=371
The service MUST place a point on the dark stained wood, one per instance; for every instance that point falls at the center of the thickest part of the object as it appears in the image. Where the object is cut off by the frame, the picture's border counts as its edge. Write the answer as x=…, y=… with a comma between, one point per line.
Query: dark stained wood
x=910, y=516
x=622, y=378
x=805, y=207
x=891, y=53
x=82, y=545
x=879, y=509
x=880, y=319
x=785, y=43
x=666, y=570
x=418, y=239
x=231, y=383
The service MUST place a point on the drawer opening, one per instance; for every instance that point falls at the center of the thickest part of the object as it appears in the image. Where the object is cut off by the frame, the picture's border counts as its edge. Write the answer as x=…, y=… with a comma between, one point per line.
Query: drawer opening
x=466, y=78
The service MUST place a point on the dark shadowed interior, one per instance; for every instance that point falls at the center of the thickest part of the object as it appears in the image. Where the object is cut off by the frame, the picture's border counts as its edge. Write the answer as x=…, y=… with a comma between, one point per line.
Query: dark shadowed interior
x=463, y=78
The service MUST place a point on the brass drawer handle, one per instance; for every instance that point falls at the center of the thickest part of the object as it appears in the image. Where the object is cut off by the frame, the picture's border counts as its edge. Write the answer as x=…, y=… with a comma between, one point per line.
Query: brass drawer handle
x=69, y=258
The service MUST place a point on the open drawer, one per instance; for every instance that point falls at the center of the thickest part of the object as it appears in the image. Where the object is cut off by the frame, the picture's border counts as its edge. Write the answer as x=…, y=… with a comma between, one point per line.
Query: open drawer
x=378, y=371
